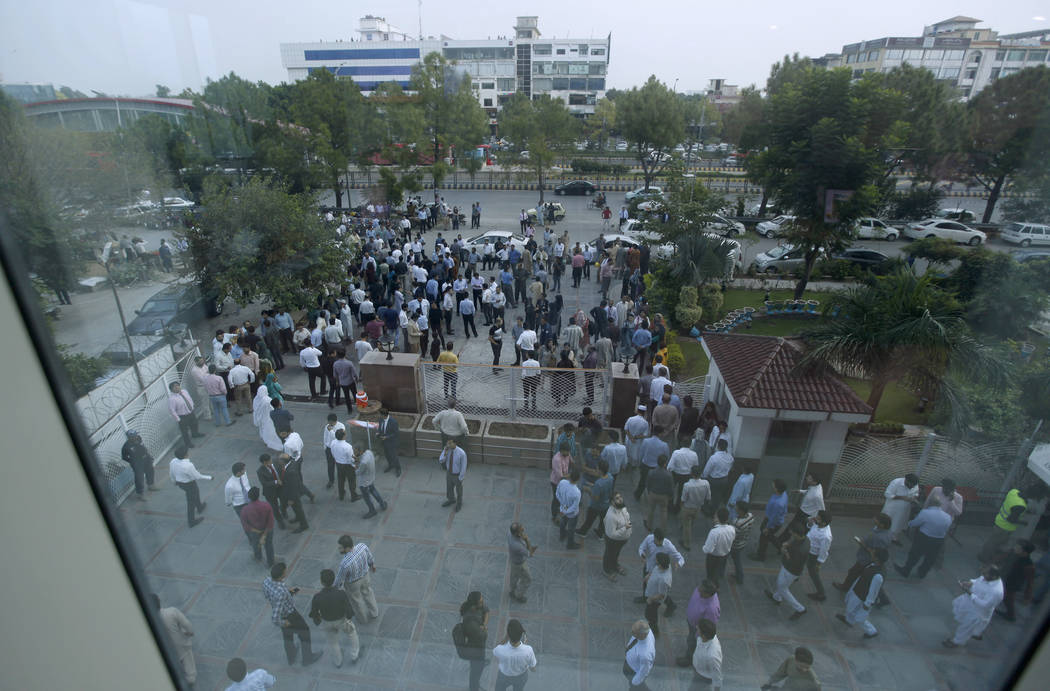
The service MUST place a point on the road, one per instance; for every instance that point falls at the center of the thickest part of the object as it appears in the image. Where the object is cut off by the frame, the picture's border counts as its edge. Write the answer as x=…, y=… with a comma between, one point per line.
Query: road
x=91, y=323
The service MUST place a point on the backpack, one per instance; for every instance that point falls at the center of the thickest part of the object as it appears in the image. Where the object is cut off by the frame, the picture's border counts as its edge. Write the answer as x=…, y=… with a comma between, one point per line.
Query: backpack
x=459, y=639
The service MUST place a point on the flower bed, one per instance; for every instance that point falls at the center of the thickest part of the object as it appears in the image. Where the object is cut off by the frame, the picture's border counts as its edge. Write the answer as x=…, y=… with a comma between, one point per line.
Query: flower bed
x=428, y=440
x=519, y=444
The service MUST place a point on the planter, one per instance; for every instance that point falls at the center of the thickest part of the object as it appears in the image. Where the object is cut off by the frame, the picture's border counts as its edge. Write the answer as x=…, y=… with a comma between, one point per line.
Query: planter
x=428, y=440
x=519, y=444
x=811, y=306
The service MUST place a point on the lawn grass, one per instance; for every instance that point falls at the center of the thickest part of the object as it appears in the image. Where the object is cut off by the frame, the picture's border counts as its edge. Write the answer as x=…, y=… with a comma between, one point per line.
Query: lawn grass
x=785, y=327
x=736, y=298
x=696, y=362
x=898, y=404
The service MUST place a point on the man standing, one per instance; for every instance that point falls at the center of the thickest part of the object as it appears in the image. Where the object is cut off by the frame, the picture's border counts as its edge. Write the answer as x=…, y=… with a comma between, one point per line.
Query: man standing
x=181, y=407
x=515, y=659
x=292, y=491
x=707, y=658
x=665, y=419
x=615, y=455
x=388, y=434
x=974, y=608
x=660, y=489
x=741, y=491
x=901, y=494
x=600, y=495
x=657, y=589
x=1006, y=522
x=466, y=310
x=742, y=524
x=864, y=592
x=819, y=537
x=717, y=473
x=718, y=545
x=257, y=520
x=520, y=550
x=236, y=490
x=681, y=465
x=879, y=537
x=450, y=377
x=530, y=378
x=652, y=448
x=270, y=479
x=327, y=437
x=933, y=524
x=345, y=385
x=185, y=475
x=181, y=634
x=135, y=454
x=776, y=511
x=794, y=553
x=454, y=460
x=241, y=380
x=284, y=323
x=695, y=493
x=215, y=387
x=568, y=496
x=617, y=532
x=285, y=615
x=354, y=576
x=703, y=604
x=653, y=544
x=345, y=465
x=310, y=361
x=330, y=609
x=293, y=446
x=640, y=655
x=366, y=478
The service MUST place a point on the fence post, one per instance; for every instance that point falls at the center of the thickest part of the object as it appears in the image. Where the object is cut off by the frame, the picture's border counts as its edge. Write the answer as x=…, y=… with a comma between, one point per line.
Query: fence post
x=510, y=394
x=924, y=456
x=1022, y=456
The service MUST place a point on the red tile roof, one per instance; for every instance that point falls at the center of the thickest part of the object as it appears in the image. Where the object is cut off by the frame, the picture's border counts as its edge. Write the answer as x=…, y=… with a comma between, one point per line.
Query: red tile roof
x=759, y=371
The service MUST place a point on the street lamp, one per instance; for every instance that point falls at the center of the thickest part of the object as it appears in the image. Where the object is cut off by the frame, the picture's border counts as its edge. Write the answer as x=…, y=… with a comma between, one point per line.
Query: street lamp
x=104, y=260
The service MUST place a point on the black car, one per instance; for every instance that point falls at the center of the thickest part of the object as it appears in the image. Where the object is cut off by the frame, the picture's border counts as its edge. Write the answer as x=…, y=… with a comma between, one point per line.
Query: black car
x=176, y=304
x=576, y=187
x=862, y=256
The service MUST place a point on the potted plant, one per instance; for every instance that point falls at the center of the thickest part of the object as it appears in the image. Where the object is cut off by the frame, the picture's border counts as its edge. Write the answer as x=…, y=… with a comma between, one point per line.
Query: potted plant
x=522, y=444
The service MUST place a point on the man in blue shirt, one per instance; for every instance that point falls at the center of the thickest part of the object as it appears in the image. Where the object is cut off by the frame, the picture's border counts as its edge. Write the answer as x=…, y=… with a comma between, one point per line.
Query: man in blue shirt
x=432, y=290
x=601, y=495
x=514, y=256
x=776, y=510
x=641, y=340
x=933, y=524
x=568, y=496
x=651, y=450
x=506, y=279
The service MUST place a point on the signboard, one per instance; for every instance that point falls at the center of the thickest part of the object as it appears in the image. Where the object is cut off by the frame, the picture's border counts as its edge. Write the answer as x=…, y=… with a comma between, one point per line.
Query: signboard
x=832, y=200
x=1039, y=462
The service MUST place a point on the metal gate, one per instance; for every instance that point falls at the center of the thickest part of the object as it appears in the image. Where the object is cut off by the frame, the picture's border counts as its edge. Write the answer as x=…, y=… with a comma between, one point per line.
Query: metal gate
x=509, y=392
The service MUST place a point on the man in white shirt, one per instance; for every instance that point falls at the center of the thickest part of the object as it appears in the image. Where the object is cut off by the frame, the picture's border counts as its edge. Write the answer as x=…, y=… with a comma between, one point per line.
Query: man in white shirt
x=310, y=361
x=185, y=475
x=635, y=430
x=530, y=378
x=327, y=437
x=681, y=465
x=717, y=473
x=515, y=658
x=236, y=490
x=180, y=405
x=657, y=589
x=527, y=340
x=241, y=379
x=656, y=386
x=362, y=347
x=707, y=658
x=451, y=423
x=640, y=655
x=345, y=464
x=812, y=502
x=256, y=680
x=819, y=536
x=653, y=544
x=718, y=545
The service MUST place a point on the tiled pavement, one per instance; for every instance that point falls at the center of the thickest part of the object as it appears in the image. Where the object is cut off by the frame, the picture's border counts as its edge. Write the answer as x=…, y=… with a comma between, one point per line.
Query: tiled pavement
x=428, y=558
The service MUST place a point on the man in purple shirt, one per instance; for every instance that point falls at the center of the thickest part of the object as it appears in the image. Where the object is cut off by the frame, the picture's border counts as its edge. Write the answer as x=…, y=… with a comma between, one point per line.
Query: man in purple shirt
x=181, y=407
x=702, y=605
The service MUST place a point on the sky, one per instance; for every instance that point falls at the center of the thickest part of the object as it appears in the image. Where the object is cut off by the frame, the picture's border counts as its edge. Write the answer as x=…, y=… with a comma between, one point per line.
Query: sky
x=126, y=47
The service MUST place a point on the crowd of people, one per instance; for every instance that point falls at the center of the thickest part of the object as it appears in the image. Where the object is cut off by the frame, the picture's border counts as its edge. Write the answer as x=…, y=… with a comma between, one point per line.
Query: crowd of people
x=674, y=458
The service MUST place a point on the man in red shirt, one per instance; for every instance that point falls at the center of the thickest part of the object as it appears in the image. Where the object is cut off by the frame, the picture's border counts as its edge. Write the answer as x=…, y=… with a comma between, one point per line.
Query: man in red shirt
x=257, y=521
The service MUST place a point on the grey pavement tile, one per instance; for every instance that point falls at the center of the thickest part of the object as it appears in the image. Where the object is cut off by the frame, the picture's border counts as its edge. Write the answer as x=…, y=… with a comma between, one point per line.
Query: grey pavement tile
x=887, y=669
x=189, y=560
x=306, y=572
x=356, y=683
x=555, y=637
x=397, y=622
x=437, y=626
x=225, y=600
x=174, y=592
x=962, y=671
x=556, y=672
x=433, y=664
x=222, y=635
x=402, y=584
x=607, y=642
x=382, y=657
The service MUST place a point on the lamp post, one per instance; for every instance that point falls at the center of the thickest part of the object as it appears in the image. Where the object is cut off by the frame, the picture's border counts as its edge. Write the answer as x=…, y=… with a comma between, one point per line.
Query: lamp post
x=104, y=260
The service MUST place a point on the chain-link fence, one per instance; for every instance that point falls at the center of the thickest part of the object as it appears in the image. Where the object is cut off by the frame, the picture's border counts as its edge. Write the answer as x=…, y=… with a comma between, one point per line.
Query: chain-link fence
x=146, y=412
x=516, y=392
x=867, y=466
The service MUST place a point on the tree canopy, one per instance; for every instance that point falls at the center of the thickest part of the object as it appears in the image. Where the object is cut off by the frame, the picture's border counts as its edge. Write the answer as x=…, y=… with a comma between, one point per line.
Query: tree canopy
x=541, y=125
x=652, y=121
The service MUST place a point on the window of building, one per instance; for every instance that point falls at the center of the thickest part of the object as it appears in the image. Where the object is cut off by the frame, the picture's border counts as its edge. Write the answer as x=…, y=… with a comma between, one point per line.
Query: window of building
x=873, y=55
x=487, y=102
x=560, y=51
x=596, y=84
x=561, y=68
x=597, y=51
x=577, y=99
x=913, y=55
x=541, y=84
x=948, y=73
x=1036, y=55
x=975, y=56
x=578, y=83
x=596, y=68
x=971, y=74
x=995, y=73
x=577, y=68
x=505, y=84
x=851, y=58
x=560, y=84
x=894, y=54
x=1015, y=56
x=857, y=73
x=541, y=49
x=934, y=55
x=543, y=68
x=488, y=85
x=953, y=54
x=1000, y=55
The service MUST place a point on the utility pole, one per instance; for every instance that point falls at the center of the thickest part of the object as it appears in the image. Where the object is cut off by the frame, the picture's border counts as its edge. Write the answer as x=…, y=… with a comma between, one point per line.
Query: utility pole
x=420, y=20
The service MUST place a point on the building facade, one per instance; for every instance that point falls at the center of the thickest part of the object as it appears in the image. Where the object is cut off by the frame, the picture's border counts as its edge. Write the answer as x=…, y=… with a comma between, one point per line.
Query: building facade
x=104, y=113
x=955, y=50
x=573, y=70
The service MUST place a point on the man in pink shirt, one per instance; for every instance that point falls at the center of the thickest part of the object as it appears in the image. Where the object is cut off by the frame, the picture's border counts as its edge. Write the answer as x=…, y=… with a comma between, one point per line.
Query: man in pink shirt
x=577, y=266
x=181, y=407
x=702, y=605
x=560, y=464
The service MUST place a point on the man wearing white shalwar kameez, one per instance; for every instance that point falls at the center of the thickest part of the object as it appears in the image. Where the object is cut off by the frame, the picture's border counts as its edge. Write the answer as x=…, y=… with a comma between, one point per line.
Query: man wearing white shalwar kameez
x=636, y=429
x=973, y=609
x=901, y=494
x=869, y=583
x=261, y=418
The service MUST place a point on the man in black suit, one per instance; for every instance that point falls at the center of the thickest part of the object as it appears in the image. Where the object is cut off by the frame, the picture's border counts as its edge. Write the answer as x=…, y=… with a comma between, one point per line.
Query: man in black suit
x=270, y=480
x=388, y=434
x=282, y=418
x=292, y=490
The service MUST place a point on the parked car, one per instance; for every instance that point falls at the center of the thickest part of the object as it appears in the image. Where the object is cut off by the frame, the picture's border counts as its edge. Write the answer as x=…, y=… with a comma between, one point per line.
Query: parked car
x=780, y=259
x=868, y=228
x=643, y=193
x=862, y=256
x=1031, y=255
x=956, y=214
x=731, y=161
x=559, y=212
x=651, y=206
x=1026, y=234
x=775, y=227
x=177, y=304
x=949, y=230
x=178, y=203
x=621, y=146
x=576, y=187
x=504, y=236
x=723, y=226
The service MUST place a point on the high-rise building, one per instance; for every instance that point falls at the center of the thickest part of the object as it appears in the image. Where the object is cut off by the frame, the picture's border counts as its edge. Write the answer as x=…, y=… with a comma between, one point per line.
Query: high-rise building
x=571, y=69
x=955, y=50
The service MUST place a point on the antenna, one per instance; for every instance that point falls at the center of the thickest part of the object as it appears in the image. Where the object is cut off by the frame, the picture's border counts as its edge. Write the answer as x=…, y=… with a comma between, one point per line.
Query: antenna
x=420, y=20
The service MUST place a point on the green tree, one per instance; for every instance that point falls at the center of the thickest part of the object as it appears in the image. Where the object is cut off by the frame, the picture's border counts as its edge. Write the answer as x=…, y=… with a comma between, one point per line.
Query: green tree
x=1009, y=130
x=163, y=91
x=901, y=328
x=653, y=123
x=602, y=123
x=258, y=241
x=452, y=118
x=543, y=126
x=1035, y=207
x=403, y=140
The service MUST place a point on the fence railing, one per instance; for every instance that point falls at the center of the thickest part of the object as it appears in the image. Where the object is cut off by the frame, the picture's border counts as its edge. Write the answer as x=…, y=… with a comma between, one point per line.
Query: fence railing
x=509, y=392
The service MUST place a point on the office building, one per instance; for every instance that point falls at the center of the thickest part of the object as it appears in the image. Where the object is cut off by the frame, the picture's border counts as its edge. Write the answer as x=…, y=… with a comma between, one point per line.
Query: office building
x=571, y=69
x=955, y=50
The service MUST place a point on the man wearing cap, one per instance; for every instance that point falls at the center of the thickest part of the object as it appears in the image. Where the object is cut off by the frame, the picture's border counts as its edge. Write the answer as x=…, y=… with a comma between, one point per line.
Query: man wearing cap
x=135, y=454
x=635, y=430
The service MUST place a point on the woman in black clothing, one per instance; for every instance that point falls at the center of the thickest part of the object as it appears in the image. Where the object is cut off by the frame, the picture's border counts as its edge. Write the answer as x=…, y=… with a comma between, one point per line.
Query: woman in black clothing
x=565, y=382
x=475, y=627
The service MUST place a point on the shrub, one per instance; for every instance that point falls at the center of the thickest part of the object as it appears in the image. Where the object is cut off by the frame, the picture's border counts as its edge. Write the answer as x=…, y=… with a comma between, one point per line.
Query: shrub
x=82, y=370
x=675, y=356
x=711, y=299
x=583, y=165
x=688, y=313
x=886, y=427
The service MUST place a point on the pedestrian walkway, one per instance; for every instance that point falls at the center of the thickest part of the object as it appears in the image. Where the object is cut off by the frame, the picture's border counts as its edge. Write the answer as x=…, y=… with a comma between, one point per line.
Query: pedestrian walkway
x=428, y=558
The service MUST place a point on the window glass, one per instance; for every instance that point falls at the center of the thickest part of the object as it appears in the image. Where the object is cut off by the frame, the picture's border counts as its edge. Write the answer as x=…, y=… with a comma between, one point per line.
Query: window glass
x=1036, y=56
x=913, y=55
x=596, y=68
x=505, y=84
x=577, y=83
x=541, y=84
x=894, y=54
x=541, y=48
x=596, y=84
x=488, y=85
x=1015, y=56
x=1000, y=55
x=953, y=55
x=934, y=55
x=597, y=51
x=561, y=84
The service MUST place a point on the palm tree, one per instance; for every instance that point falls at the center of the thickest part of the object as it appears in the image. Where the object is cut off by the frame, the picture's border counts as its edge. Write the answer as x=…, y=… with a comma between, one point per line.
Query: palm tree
x=699, y=257
x=902, y=327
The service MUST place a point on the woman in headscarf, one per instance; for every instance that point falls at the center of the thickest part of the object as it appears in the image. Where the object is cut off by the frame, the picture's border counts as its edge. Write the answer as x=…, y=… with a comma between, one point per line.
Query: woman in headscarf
x=272, y=387
x=564, y=383
x=261, y=418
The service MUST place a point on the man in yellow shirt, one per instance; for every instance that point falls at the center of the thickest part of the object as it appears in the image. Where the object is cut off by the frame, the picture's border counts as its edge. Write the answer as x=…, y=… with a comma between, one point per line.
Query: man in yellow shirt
x=449, y=359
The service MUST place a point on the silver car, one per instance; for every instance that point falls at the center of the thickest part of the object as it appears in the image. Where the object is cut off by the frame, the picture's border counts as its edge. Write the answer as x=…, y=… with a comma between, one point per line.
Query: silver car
x=780, y=259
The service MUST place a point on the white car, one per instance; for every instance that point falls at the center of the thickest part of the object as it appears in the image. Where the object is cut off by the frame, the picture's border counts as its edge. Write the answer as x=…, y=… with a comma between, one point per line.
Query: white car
x=653, y=205
x=775, y=227
x=524, y=155
x=1026, y=234
x=178, y=203
x=723, y=226
x=949, y=230
x=494, y=235
x=868, y=228
x=650, y=193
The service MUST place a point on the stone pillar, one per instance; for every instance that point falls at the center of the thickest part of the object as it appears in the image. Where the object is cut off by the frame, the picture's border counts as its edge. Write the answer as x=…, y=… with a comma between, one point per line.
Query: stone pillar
x=395, y=382
x=624, y=394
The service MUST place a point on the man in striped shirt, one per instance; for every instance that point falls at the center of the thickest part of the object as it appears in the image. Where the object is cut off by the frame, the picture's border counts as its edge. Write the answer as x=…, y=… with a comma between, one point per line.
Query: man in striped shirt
x=353, y=575
x=285, y=615
x=743, y=523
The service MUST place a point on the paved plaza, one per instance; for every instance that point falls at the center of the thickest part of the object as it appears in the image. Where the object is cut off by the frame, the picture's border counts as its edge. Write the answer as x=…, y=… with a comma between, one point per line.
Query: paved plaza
x=428, y=558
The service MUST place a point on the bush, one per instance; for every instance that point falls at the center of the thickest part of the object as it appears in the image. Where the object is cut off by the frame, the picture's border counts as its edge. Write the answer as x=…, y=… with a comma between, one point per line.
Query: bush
x=82, y=370
x=711, y=299
x=886, y=427
x=583, y=165
x=675, y=356
x=837, y=270
x=916, y=203
x=688, y=313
